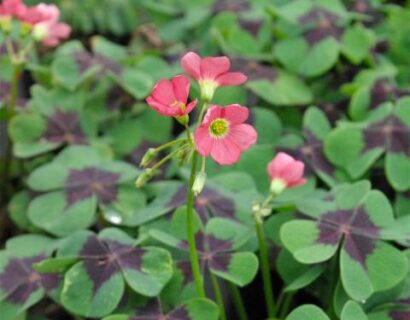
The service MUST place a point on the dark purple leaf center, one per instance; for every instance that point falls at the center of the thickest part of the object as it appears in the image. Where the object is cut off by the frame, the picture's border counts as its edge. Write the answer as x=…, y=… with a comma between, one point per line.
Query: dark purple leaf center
x=105, y=258
x=19, y=280
x=83, y=183
x=390, y=134
x=400, y=315
x=212, y=251
x=209, y=202
x=358, y=230
x=320, y=24
x=64, y=127
x=152, y=311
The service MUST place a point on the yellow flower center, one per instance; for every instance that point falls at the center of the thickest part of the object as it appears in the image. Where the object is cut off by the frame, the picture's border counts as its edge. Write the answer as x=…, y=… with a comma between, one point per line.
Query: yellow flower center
x=178, y=104
x=219, y=128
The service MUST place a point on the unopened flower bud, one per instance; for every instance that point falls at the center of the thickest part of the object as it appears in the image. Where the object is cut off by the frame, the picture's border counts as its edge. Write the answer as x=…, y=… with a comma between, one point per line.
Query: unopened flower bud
x=148, y=157
x=144, y=177
x=199, y=183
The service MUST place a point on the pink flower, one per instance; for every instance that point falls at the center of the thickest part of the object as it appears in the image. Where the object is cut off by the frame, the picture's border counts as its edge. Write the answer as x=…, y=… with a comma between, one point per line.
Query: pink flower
x=47, y=28
x=169, y=97
x=14, y=8
x=285, y=172
x=210, y=72
x=223, y=135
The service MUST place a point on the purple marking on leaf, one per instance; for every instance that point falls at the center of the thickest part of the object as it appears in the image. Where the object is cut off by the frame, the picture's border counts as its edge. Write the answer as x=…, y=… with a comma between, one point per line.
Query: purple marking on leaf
x=390, y=134
x=320, y=24
x=209, y=203
x=86, y=61
x=359, y=232
x=64, y=127
x=252, y=26
x=185, y=267
x=230, y=5
x=19, y=280
x=384, y=90
x=104, y=258
x=334, y=110
x=399, y=315
x=212, y=251
x=83, y=183
x=180, y=313
x=152, y=310
x=314, y=153
x=220, y=262
x=255, y=70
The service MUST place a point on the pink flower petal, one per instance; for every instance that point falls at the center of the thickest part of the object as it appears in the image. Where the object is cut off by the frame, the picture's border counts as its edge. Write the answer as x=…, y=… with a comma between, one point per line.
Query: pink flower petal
x=191, y=106
x=225, y=152
x=163, y=92
x=190, y=63
x=212, y=67
x=203, y=141
x=231, y=79
x=243, y=135
x=293, y=172
x=235, y=113
x=278, y=164
x=181, y=88
x=213, y=112
x=159, y=107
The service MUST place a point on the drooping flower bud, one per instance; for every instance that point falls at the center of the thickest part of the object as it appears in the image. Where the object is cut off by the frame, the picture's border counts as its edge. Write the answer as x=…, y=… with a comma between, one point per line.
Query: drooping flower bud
x=144, y=177
x=199, y=183
x=148, y=157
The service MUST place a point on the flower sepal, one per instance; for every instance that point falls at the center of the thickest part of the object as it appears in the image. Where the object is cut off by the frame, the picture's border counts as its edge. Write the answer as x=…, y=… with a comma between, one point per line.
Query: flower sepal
x=184, y=120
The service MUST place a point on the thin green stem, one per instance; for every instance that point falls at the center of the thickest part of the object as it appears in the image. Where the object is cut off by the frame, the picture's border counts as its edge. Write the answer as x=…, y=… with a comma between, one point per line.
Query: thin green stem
x=193, y=252
x=169, y=144
x=287, y=301
x=238, y=302
x=10, y=114
x=218, y=296
x=264, y=261
x=202, y=113
x=164, y=160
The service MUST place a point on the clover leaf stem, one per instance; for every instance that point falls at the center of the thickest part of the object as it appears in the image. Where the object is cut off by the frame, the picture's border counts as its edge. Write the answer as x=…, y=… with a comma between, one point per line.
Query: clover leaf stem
x=264, y=261
x=218, y=296
x=193, y=252
x=18, y=67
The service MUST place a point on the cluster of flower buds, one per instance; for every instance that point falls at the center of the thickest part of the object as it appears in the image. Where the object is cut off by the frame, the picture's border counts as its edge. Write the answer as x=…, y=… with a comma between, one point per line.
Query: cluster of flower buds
x=220, y=131
x=41, y=21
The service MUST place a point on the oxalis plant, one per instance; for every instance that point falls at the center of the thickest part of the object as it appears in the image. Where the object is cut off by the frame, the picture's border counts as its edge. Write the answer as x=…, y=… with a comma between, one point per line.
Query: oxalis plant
x=130, y=191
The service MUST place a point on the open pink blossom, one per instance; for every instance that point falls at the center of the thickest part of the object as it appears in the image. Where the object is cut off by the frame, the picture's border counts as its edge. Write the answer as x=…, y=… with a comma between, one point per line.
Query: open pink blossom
x=285, y=172
x=224, y=135
x=13, y=8
x=210, y=72
x=46, y=25
x=170, y=97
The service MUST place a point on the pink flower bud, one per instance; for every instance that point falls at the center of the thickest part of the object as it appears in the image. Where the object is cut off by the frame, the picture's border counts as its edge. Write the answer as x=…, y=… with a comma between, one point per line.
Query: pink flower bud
x=285, y=172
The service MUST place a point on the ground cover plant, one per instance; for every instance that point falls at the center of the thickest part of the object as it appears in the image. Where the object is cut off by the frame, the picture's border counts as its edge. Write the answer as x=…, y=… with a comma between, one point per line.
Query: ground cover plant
x=204, y=160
